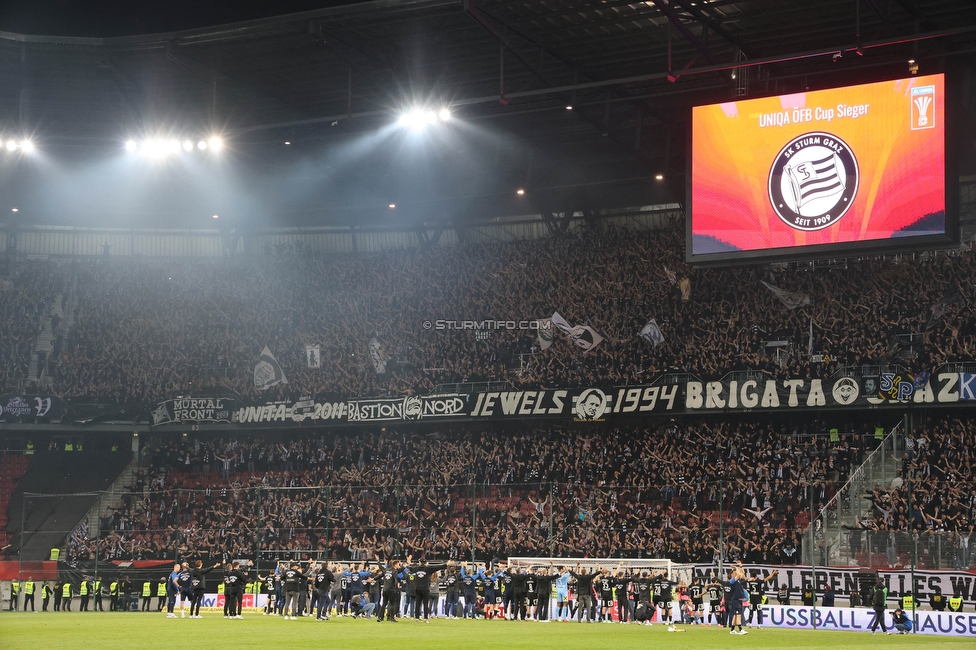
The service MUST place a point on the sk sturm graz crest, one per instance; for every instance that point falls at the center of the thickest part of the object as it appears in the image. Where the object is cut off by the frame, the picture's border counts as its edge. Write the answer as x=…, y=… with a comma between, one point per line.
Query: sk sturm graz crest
x=813, y=181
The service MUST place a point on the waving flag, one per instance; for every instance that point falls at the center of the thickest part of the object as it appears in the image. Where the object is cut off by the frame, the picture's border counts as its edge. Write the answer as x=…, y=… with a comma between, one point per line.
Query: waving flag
x=816, y=179
x=267, y=371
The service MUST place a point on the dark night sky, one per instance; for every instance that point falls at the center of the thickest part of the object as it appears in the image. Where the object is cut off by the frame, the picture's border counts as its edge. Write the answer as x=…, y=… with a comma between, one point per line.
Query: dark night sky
x=123, y=18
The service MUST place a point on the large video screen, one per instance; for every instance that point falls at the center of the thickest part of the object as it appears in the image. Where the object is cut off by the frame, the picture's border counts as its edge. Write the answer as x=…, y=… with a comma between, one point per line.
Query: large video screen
x=829, y=169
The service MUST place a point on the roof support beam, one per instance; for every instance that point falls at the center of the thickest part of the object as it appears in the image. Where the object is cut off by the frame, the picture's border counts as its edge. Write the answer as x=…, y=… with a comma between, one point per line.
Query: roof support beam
x=675, y=19
x=716, y=27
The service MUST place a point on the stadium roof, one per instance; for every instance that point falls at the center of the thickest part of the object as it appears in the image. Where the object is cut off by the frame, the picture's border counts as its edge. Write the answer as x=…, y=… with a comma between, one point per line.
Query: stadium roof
x=328, y=80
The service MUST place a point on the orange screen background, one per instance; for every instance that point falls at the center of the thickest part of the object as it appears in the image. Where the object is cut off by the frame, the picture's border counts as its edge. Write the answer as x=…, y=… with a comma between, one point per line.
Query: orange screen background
x=902, y=172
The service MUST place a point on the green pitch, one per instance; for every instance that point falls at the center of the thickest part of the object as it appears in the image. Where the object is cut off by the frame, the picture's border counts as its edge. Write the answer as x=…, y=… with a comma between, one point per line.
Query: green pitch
x=147, y=631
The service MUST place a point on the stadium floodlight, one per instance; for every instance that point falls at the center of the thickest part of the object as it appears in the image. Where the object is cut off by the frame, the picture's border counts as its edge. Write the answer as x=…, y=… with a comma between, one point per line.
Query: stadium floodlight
x=659, y=177
x=130, y=145
x=215, y=143
x=202, y=145
x=417, y=119
x=11, y=145
x=15, y=209
x=520, y=192
x=392, y=205
x=444, y=114
x=173, y=145
x=187, y=145
x=26, y=146
x=216, y=216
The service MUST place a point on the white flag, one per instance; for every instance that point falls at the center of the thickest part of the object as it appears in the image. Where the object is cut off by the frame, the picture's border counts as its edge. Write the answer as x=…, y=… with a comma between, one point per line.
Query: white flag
x=792, y=299
x=672, y=278
x=313, y=354
x=584, y=336
x=267, y=371
x=544, y=334
x=376, y=356
x=652, y=333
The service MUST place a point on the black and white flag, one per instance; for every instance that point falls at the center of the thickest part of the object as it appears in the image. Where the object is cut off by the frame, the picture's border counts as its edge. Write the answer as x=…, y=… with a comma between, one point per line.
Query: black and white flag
x=584, y=336
x=313, y=356
x=792, y=299
x=652, y=333
x=377, y=356
x=267, y=371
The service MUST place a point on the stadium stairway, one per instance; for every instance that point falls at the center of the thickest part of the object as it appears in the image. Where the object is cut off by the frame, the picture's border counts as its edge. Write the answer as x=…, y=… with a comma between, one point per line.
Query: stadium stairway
x=62, y=487
x=45, y=340
x=12, y=468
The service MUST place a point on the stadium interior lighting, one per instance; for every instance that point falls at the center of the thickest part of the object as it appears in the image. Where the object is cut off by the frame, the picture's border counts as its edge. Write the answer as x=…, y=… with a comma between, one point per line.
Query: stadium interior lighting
x=569, y=107
x=419, y=118
x=187, y=145
x=216, y=143
x=130, y=145
x=287, y=142
x=11, y=145
x=216, y=216
x=26, y=146
x=202, y=145
x=15, y=209
x=392, y=205
x=659, y=177
x=520, y=192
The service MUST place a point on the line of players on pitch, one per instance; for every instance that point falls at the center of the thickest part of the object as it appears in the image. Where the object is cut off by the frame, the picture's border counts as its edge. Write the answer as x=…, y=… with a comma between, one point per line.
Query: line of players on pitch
x=405, y=589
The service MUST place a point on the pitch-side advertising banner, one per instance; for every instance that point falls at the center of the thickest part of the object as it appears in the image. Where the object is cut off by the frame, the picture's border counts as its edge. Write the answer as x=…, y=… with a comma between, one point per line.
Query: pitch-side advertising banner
x=856, y=619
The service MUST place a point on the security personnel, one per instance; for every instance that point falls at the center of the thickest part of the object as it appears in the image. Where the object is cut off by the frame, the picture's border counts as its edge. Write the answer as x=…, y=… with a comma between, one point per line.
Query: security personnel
x=45, y=596
x=113, y=595
x=29, y=593
x=807, y=597
x=57, y=595
x=14, y=593
x=146, y=595
x=30, y=449
x=908, y=602
x=69, y=446
x=97, y=589
x=161, y=593
x=937, y=602
x=955, y=604
x=84, y=590
x=783, y=595
x=66, y=594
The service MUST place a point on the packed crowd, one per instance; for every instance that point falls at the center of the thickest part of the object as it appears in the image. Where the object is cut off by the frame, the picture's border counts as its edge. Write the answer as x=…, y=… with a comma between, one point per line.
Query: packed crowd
x=146, y=330
x=935, y=499
x=27, y=291
x=626, y=492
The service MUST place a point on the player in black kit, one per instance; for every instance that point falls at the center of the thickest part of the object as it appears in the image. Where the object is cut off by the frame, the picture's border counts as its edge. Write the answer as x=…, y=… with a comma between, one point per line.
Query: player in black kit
x=757, y=590
x=696, y=592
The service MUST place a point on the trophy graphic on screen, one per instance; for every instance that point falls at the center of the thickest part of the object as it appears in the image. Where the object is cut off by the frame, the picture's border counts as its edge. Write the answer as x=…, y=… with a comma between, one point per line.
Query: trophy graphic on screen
x=923, y=108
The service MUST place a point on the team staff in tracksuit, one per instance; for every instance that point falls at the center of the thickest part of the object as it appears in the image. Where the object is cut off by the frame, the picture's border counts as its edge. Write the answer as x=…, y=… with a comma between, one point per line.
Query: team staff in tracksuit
x=421, y=573
x=391, y=578
x=321, y=586
x=198, y=586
